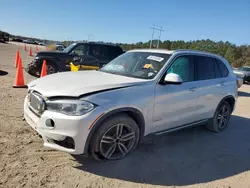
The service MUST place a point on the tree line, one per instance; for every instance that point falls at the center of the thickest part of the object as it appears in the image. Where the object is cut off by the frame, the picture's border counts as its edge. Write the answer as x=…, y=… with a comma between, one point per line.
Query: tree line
x=236, y=55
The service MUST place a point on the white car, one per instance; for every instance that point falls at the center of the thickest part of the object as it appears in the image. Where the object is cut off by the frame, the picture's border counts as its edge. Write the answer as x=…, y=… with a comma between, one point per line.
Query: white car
x=243, y=72
x=106, y=112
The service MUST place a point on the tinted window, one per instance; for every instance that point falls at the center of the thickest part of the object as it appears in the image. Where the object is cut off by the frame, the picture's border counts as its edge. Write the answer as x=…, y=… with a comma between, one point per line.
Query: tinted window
x=110, y=52
x=184, y=67
x=223, y=68
x=217, y=71
x=105, y=51
x=116, y=51
x=96, y=50
x=204, y=68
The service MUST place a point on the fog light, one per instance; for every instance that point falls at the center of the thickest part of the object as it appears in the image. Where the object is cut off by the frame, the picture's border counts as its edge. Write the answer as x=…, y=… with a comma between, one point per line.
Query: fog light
x=50, y=123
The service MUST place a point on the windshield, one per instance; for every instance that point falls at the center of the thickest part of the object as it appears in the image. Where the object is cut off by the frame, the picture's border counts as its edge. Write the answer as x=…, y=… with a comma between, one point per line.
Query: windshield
x=144, y=65
x=69, y=47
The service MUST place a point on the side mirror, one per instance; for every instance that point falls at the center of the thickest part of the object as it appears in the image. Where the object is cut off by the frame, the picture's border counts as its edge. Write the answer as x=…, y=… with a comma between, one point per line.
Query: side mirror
x=172, y=78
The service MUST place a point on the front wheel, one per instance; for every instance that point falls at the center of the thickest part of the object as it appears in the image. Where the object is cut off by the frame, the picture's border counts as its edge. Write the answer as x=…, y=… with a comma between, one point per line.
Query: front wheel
x=244, y=80
x=116, y=138
x=221, y=117
x=51, y=68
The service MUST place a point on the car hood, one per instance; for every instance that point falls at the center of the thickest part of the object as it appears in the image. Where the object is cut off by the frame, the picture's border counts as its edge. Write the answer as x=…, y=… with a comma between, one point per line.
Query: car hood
x=52, y=53
x=75, y=84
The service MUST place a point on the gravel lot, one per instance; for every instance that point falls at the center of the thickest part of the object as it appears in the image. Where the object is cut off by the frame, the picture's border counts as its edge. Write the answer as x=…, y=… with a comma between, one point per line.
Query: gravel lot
x=191, y=158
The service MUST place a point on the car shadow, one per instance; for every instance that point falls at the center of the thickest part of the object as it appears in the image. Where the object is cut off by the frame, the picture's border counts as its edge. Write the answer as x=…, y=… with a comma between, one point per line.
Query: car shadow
x=243, y=94
x=187, y=157
x=3, y=73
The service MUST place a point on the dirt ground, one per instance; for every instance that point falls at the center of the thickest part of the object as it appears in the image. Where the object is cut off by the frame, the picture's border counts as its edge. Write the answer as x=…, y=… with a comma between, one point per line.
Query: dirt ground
x=191, y=158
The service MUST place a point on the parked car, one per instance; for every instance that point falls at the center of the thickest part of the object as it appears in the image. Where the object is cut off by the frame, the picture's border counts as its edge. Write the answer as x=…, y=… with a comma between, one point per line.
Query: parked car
x=106, y=112
x=17, y=40
x=239, y=81
x=60, y=47
x=41, y=43
x=243, y=72
x=89, y=55
x=30, y=41
x=4, y=36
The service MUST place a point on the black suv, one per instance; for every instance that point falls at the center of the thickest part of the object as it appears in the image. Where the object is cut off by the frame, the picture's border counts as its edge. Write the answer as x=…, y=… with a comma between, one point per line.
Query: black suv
x=90, y=55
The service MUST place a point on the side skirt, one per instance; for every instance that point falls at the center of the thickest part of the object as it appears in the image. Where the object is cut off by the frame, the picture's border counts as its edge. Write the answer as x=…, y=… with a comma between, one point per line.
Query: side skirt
x=182, y=127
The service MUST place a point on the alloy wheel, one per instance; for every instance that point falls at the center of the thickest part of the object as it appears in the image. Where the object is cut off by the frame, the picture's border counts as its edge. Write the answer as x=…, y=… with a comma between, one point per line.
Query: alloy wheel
x=50, y=69
x=117, y=141
x=223, y=117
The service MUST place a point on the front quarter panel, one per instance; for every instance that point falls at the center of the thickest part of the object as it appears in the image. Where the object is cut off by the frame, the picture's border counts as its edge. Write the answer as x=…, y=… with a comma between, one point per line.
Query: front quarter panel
x=60, y=62
x=139, y=97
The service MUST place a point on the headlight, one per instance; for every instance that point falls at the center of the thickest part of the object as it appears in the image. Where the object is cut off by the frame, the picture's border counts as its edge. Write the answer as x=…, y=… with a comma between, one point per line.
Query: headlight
x=36, y=57
x=70, y=107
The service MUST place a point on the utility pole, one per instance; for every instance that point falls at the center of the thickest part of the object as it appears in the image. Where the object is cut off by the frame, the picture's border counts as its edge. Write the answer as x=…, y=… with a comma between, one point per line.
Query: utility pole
x=152, y=35
x=158, y=28
x=90, y=36
x=159, y=37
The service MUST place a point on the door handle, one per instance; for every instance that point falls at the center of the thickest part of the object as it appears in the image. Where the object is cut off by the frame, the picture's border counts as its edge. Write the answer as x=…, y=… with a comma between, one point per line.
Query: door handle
x=192, y=88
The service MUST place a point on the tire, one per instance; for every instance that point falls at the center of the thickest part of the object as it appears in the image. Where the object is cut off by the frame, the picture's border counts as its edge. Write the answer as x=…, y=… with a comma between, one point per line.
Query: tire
x=244, y=80
x=116, y=138
x=220, y=122
x=32, y=69
x=51, y=68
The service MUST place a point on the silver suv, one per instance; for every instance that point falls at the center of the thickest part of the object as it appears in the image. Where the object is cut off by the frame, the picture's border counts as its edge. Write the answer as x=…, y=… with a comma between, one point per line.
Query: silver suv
x=106, y=112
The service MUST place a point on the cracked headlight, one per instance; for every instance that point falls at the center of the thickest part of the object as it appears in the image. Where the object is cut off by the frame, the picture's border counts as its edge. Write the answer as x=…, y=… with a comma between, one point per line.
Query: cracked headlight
x=70, y=107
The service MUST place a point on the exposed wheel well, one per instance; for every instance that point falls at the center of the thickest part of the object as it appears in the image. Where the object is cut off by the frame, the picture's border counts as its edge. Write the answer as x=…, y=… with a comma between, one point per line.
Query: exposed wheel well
x=231, y=101
x=138, y=118
x=135, y=114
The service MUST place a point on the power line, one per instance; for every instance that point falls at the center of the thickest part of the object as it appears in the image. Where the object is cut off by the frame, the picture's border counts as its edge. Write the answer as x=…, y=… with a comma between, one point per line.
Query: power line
x=158, y=28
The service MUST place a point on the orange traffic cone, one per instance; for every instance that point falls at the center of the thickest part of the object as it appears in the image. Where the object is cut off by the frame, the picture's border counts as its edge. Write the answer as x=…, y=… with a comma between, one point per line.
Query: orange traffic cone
x=17, y=58
x=19, y=82
x=30, y=53
x=25, y=47
x=37, y=48
x=18, y=61
x=44, y=69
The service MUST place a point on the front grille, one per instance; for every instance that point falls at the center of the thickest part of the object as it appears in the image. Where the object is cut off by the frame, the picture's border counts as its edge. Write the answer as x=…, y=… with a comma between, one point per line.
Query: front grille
x=36, y=103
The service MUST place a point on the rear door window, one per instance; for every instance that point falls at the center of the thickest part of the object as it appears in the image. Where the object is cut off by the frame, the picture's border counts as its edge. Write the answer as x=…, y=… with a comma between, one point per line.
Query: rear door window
x=109, y=52
x=217, y=70
x=95, y=50
x=204, y=68
x=223, y=68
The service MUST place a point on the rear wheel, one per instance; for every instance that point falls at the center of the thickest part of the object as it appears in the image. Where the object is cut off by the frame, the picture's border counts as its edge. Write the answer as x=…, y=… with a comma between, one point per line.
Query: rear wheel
x=221, y=117
x=116, y=138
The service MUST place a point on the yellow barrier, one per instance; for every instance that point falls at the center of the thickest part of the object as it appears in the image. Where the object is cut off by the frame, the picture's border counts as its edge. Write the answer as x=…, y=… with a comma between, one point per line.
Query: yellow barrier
x=83, y=67
x=86, y=67
x=74, y=68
